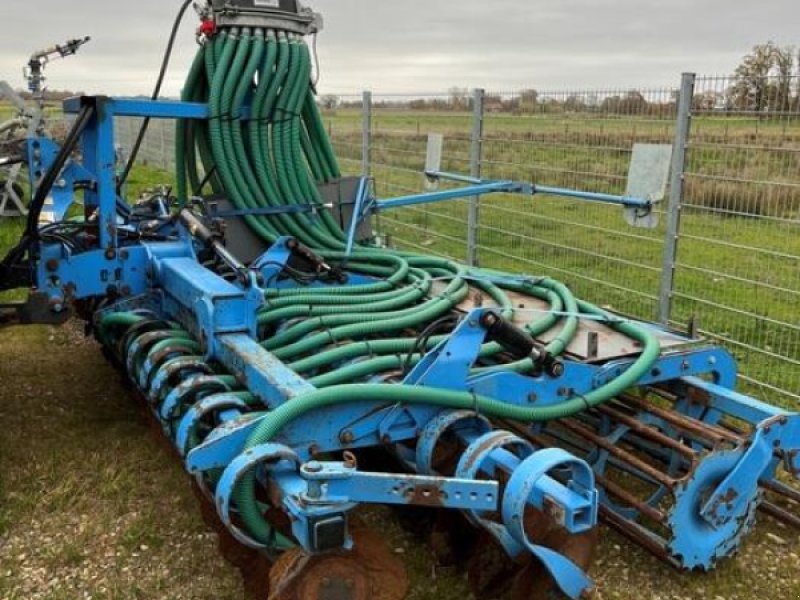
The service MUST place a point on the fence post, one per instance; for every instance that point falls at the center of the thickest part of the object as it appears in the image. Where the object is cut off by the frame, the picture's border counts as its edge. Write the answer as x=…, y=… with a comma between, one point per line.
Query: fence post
x=163, y=159
x=679, y=155
x=366, y=134
x=475, y=158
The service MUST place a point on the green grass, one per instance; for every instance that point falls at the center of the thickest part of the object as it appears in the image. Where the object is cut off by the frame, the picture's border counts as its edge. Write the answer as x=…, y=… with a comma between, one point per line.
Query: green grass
x=91, y=503
x=738, y=267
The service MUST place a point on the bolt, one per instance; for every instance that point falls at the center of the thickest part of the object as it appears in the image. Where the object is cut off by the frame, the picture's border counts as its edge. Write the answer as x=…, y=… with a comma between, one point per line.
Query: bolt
x=314, y=467
x=124, y=255
x=111, y=254
x=489, y=320
x=532, y=397
x=556, y=369
x=347, y=437
x=52, y=265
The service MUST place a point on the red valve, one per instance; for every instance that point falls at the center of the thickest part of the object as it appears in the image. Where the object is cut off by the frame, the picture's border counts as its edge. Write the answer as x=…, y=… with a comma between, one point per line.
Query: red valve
x=208, y=28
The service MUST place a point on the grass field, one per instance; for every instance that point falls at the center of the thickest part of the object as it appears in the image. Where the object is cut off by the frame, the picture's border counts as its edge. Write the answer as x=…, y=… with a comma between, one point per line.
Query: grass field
x=738, y=269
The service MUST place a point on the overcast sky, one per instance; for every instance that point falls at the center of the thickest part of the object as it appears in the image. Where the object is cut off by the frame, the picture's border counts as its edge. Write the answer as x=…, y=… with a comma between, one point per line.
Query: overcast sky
x=421, y=45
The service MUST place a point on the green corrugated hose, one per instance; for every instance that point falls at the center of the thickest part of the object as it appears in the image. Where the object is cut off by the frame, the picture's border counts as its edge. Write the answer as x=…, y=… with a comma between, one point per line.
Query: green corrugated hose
x=278, y=158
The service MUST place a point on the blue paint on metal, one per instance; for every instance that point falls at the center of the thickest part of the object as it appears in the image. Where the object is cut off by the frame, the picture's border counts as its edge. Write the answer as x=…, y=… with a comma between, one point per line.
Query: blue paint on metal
x=266, y=456
x=362, y=197
x=273, y=261
x=210, y=405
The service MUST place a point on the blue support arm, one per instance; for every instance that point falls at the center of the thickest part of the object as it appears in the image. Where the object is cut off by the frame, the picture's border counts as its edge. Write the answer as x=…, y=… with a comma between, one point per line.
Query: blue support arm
x=481, y=187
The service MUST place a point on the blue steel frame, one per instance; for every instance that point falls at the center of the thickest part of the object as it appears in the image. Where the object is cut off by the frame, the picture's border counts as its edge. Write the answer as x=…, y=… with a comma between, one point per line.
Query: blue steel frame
x=167, y=278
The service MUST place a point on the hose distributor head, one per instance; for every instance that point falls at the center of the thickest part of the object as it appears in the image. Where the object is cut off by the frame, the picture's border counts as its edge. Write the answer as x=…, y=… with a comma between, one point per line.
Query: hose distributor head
x=283, y=15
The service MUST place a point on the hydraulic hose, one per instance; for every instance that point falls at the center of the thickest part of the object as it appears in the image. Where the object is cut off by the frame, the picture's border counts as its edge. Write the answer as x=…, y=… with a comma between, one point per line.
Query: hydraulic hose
x=274, y=422
x=341, y=336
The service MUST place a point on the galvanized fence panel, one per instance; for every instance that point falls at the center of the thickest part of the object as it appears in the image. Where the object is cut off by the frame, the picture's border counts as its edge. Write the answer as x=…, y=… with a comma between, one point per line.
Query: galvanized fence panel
x=397, y=147
x=581, y=140
x=738, y=267
x=158, y=148
x=730, y=264
x=343, y=116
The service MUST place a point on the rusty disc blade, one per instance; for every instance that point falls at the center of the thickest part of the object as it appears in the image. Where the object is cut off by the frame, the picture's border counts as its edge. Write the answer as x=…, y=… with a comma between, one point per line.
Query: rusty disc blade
x=452, y=539
x=369, y=572
x=533, y=581
x=490, y=570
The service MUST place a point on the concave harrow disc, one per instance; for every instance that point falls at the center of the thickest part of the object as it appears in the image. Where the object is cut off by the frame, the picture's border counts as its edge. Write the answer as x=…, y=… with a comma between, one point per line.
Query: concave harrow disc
x=369, y=572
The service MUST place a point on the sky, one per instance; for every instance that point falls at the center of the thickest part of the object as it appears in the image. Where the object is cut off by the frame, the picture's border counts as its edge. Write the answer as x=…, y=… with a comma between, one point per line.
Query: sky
x=420, y=46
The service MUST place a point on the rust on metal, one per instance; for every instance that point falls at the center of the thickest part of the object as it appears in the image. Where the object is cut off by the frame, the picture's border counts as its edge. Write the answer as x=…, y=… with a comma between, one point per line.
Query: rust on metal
x=691, y=426
x=649, y=432
x=629, y=499
x=698, y=397
x=618, y=452
x=425, y=495
x=776, y=512
x=637, y=535
x=369, y=572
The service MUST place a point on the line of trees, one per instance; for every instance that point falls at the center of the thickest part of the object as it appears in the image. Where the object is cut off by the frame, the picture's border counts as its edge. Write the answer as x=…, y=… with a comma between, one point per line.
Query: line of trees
x=767, y=81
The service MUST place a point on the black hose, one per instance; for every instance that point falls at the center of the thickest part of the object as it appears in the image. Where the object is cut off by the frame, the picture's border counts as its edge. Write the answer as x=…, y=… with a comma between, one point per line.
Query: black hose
x=43, y=190
x=156, y=93
x=12, y=273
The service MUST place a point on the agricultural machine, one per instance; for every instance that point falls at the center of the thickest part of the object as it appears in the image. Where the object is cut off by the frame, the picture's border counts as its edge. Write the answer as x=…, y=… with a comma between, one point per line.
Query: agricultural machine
x=301, y=371
x=24, y=138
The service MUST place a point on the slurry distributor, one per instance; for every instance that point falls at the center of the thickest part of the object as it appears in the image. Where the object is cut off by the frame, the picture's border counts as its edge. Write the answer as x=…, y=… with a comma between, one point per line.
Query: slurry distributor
x=301, y=371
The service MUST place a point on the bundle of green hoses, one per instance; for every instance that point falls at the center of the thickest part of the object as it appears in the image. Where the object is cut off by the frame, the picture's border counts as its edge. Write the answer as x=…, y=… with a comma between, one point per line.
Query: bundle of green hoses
x=265, y=145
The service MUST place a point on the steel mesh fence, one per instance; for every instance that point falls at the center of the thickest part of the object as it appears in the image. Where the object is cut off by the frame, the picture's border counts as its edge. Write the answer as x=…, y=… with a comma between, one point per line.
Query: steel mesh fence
x=399, y=140
x=581, y=140
x=738, y=266
x=397, y=148
x=158, y=147
x=343, y=116
x=737, y=245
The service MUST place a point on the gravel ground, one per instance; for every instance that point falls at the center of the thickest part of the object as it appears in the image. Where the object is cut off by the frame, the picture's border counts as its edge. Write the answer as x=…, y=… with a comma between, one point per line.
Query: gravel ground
x=92, y=506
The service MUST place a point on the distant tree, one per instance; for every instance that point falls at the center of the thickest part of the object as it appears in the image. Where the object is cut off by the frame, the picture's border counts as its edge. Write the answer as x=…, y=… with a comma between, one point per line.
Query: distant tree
x=329, y=102
x=611, y=104
x=781, y=89
x=459, y=98
x=494, y=103
x=706, y=101
x=633, y=103
x=763, y=80
x=574, y=103
x=528, y=99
